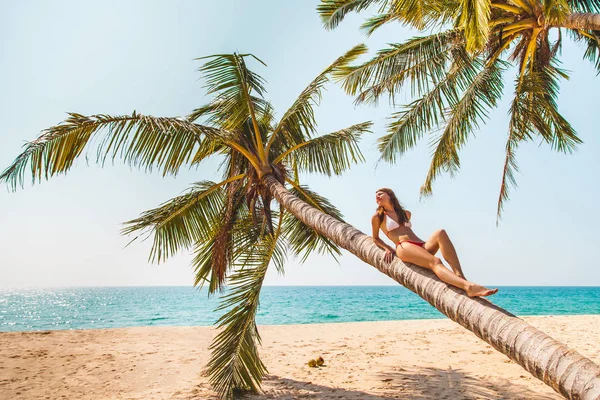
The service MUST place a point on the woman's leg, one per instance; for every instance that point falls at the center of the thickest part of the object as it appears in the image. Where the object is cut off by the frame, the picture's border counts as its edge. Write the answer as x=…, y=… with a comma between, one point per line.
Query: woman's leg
x=417, y=255
x=441, y=241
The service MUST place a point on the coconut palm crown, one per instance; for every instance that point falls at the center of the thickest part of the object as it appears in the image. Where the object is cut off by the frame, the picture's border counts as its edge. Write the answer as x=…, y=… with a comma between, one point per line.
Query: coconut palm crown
x=455, y=81
x=231, y=226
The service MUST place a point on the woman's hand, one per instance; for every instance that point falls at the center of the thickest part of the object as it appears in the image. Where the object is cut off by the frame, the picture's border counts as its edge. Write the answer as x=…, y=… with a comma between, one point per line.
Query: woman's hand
x=389, y=255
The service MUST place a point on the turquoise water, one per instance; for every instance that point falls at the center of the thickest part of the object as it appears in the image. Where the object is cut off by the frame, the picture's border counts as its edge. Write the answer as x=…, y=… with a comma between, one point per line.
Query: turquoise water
x=117, y=307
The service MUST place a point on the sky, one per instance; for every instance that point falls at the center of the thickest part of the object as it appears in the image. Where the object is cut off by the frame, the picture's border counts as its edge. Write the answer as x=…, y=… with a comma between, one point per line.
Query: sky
x=114, y=57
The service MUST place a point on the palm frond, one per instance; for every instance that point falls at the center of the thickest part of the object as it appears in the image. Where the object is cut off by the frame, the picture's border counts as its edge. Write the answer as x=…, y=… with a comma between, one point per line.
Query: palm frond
x=555, y=10
x=182, y=221
x=223, y=251
x=209, y=147
x=592, y=52
x=410, y=12
x=584, y=6
x=427, y=113
x=332, y=12
x=419, y=75
x=376, y=22
x=266, y=119
x=235, y=365
x=592, y=42
x=139, y=140
x=298, y=122
x=302, y=239
x=508, y=172
x=420, y=60
x=330, y=154
x=474, y=19
x=534, y=111
x=215, y=253
x=483, y=93
x=539, y=109
x=419, y=14
x=441, y=13
x=520, y=129
x=563, y=137
x=229, y=78
x=207, y=111
x=243, y=235
x=202, y=264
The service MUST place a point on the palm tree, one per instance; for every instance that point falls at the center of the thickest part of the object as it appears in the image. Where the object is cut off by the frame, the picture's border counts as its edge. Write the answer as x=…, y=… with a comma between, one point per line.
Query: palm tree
x=231, y=226
x=472, y=16
x=199, y=219
x=456, y=79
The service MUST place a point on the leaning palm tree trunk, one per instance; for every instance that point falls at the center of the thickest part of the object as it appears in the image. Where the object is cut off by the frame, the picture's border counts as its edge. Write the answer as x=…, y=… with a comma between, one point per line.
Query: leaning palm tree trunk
x=581, y=21
x=565, y=370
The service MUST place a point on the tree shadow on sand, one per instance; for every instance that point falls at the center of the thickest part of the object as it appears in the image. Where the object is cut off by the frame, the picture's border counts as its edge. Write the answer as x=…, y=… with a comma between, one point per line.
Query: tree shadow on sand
x=414, y=383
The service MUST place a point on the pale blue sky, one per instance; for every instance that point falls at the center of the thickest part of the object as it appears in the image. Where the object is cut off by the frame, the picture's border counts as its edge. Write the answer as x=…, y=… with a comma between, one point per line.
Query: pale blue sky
x=115, y=57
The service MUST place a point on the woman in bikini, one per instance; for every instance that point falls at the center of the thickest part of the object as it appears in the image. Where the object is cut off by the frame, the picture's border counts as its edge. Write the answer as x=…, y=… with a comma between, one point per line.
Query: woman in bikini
x=394, y=221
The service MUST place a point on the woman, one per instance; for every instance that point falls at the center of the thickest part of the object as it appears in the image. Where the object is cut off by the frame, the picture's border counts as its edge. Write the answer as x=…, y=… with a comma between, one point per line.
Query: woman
x=394, y=221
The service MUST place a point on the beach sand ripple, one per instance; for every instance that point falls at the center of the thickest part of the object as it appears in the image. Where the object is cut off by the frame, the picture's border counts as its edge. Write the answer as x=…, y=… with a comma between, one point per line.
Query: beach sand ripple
x=426, y=359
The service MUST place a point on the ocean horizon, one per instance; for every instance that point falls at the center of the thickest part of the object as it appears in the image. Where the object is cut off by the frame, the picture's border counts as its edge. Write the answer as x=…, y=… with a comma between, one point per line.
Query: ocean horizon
x=83, y=307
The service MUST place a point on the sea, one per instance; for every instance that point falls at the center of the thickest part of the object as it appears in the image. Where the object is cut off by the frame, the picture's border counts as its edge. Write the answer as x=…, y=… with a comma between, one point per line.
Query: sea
x=120, y=307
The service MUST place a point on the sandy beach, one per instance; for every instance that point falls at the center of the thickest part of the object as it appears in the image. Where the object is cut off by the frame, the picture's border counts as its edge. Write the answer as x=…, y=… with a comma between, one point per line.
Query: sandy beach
x=425, y=359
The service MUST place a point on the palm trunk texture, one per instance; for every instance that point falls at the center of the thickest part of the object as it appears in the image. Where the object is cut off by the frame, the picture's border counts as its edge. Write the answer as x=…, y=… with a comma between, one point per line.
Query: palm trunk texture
x=581, y=21
x=563, y=369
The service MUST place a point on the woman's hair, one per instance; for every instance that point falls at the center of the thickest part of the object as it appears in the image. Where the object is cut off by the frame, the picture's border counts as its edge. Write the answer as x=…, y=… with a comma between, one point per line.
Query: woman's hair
x=395, y=203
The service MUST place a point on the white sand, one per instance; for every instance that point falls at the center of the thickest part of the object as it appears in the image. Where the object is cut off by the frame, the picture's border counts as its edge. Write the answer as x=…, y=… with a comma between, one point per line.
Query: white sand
x=427, y=359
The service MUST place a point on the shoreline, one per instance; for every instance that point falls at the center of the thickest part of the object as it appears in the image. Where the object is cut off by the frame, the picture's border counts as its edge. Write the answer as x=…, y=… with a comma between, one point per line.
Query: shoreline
x=214, y=326
x=421, y=359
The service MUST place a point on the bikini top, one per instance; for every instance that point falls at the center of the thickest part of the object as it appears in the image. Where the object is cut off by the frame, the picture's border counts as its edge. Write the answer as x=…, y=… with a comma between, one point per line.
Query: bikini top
x=390, y=224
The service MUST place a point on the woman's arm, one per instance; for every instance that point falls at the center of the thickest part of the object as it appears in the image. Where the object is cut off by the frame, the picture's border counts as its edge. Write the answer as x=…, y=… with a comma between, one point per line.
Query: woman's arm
x=389, y=252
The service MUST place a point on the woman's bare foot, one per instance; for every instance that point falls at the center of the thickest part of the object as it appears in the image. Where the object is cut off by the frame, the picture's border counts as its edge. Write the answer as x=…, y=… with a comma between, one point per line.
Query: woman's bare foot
x=479, y=291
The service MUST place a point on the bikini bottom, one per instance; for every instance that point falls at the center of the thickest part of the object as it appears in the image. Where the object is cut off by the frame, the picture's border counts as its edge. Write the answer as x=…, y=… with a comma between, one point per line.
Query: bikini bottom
x=420, y=244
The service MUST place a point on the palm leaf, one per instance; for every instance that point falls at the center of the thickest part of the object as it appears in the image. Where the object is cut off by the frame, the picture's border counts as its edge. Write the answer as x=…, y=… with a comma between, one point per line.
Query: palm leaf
x=208, y=111
x=585, y=6
x=215, y=253
x=562, y=136
x=328, y=154
x=427, y=113
x=241, y=232
x=235, y=365
x=518, y=130
x=209, y=147
x=420, y=60
x=202, y=265
x=555, y=10
x=534, y=111
x=376, y=22
x=139, y=140
x=419, y=75
x=538, y=108
x=508, y=172
x=592, y=42
x=228, y=76
x=332, y=12
x=410, y=12
x=592, y=52
x=483, y=93
x=298, y=122
x=183, y=220
x=474, y=19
